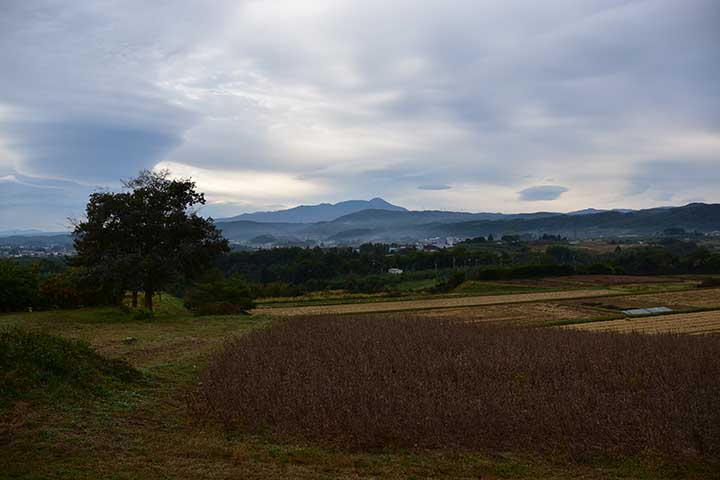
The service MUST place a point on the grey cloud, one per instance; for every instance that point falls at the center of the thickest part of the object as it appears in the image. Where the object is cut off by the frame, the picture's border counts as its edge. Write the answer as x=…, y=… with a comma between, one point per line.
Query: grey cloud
x=679, y=181
x=434, y=187
x=464, y=94
x=89, y=152
x=541, y=192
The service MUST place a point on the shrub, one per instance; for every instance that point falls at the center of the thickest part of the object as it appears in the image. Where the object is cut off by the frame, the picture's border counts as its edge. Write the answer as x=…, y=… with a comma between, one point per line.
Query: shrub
x=74, y=288
x=369, y=284
x=221, y=308
x=142, y=314
x=61, y=291
x=369, y=382
x=523, y=271
x=275, y=289
x=18, y=287
x=34, y=364
x=455, y=280
x=599, y=269
x=221, y=297
x=709, y=282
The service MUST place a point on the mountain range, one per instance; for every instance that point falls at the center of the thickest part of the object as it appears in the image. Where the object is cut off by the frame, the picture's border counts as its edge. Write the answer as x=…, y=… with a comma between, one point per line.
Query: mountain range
x=396, y=224
x=358, y=221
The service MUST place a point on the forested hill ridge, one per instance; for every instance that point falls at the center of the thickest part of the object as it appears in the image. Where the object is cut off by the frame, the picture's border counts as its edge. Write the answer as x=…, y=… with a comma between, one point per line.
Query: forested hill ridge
x=378, y=225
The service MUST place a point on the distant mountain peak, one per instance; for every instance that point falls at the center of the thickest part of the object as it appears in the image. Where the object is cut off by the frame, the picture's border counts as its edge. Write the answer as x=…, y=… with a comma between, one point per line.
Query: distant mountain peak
x=323, y=212
x=593, y=211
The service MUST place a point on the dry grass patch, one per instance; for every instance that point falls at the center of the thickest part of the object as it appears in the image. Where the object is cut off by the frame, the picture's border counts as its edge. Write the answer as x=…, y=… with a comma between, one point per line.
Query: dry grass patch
x=696, y=323
x=517, y=314
x=432, y=303
x=698, y=298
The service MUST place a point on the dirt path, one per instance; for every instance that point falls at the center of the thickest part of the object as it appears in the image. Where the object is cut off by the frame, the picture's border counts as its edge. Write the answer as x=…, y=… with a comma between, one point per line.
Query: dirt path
x=433, y=303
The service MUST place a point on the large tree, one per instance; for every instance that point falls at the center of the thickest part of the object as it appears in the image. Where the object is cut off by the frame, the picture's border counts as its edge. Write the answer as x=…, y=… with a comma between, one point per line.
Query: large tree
x=146, y=236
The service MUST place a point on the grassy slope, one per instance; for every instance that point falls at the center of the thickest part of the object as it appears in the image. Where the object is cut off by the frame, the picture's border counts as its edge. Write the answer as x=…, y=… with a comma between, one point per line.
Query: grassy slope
x=146, y=432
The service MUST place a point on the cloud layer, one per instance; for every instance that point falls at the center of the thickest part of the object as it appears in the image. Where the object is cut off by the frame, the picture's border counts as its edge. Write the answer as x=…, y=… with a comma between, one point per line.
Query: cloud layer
x=285, y=102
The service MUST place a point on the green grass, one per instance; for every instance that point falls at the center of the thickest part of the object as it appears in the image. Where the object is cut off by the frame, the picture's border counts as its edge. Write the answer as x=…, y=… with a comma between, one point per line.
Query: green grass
x=640, y=288
x=42, y=366
x=412, y=285
x=144, y=430
x=476, y=287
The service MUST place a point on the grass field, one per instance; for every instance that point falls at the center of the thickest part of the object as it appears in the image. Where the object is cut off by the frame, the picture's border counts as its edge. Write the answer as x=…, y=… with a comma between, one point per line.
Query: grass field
x=147, y=431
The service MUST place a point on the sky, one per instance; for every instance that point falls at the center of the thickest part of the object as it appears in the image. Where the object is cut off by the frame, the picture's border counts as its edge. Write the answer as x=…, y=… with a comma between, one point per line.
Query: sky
x=507, y=105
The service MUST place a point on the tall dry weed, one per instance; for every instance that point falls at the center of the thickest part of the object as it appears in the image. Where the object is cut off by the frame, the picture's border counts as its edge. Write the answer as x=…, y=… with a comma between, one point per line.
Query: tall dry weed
x=364, y=382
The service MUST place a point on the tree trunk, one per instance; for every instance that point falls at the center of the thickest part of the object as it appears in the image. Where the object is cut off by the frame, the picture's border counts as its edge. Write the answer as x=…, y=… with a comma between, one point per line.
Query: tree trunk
x=134, y=298
x=149, y=299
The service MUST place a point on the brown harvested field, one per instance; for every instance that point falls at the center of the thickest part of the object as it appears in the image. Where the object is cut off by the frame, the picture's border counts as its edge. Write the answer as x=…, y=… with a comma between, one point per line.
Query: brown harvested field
x=517, y=314
x=432, y=303
x=696, y=323
x=699, y=298
x=364, y=382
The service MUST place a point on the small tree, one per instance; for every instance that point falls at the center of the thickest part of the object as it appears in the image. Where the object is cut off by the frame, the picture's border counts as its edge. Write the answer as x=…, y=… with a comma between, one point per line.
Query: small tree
x=218, y=297
x=148, y=236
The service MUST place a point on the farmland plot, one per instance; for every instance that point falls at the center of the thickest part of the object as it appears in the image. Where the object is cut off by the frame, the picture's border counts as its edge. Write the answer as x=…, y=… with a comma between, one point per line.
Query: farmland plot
x=699, y=298
x=696, y=323
x=518, y=314
x=433, y=303
x=366, y=382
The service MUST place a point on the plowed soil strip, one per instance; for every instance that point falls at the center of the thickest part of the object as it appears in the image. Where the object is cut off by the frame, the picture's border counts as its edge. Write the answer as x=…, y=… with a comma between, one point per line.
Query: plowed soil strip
x=691, y=323
x=435, y=303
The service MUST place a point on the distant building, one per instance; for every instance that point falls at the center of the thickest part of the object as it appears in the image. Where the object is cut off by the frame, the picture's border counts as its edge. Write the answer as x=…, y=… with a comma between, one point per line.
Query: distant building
x=395, y=271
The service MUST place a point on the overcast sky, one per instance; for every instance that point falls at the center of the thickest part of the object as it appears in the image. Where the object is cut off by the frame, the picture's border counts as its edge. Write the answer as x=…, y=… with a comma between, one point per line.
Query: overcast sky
x=466, y=105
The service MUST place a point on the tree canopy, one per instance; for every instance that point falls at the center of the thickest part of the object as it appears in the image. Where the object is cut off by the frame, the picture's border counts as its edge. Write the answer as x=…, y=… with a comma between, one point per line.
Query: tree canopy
x=146, y=236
